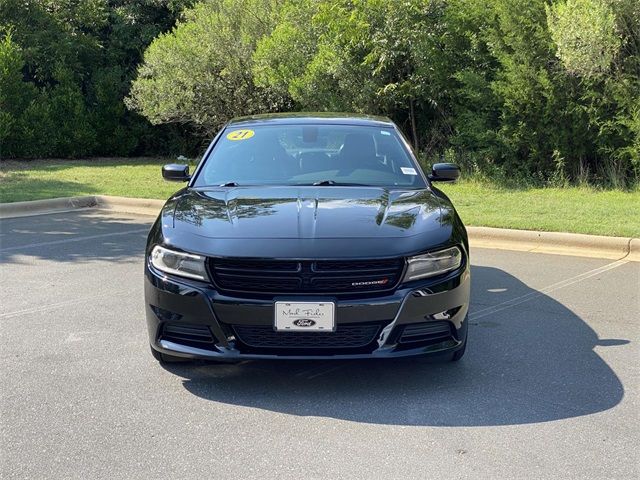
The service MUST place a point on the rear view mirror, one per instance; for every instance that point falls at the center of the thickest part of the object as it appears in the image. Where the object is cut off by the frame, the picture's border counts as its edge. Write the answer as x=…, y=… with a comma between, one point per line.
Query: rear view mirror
x=444, y=172
x=175, y=172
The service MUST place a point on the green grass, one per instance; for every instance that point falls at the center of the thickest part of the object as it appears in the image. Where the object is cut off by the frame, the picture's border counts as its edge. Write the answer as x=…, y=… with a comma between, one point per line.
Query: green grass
x=571, y=209
x=40, y=179
x=579, y=210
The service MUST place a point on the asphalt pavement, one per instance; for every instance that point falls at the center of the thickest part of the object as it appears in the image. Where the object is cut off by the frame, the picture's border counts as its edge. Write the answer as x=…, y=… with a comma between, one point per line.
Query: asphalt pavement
x=548, y=388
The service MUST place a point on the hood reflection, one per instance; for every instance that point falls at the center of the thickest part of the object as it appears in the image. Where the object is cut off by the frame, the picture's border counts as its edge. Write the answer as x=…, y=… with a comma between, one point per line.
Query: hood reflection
x=307, y=212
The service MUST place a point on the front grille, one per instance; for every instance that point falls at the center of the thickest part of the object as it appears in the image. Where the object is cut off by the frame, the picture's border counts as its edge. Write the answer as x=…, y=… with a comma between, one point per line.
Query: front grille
x=306, y=276
x=198, y=336
x=352, y=336
x=426, y=333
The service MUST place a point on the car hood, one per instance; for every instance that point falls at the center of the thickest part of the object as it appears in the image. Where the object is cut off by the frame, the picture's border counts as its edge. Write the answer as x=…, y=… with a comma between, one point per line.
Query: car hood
x=206, y=219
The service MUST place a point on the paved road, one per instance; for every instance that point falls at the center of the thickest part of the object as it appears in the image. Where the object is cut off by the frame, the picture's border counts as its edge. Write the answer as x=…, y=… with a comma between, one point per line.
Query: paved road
x=548, y=389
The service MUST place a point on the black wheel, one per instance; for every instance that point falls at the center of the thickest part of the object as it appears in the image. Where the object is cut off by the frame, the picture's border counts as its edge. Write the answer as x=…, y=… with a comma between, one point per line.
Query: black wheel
x=164, y=358
x=458, y=354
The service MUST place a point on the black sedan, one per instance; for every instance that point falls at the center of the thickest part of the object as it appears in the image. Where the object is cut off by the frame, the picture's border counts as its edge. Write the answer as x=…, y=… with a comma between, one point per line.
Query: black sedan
x=307, y=236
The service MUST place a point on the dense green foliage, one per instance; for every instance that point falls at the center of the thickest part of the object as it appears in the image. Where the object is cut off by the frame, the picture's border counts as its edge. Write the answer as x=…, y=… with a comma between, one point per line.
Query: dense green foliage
x=65, y=67
x=542, y=91
x=201, y=72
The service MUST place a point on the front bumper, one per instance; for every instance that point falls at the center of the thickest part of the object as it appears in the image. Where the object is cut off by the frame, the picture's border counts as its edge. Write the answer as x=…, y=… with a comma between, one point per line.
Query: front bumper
x=176, y=301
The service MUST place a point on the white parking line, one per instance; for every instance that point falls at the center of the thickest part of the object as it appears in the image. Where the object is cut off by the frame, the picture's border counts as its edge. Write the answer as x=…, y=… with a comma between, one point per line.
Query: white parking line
x=74, y=239
x=53, y=306
x=556, y=286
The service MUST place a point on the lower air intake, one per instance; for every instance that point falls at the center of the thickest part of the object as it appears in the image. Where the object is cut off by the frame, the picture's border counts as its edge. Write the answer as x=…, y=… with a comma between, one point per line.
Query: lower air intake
x=426, y=333
x=198, y=336
x=345, y=337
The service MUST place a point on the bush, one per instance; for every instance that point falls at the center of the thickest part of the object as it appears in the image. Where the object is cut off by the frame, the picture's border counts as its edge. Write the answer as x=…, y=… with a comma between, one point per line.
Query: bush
x=65, y=68
x=200, y=72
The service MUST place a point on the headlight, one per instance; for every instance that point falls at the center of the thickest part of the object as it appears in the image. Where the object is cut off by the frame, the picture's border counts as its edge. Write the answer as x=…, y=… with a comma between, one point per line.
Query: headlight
x=434, y=263
x=178, y=263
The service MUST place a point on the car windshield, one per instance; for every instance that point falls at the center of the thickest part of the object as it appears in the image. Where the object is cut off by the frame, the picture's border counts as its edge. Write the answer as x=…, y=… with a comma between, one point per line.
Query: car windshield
x=321, y=155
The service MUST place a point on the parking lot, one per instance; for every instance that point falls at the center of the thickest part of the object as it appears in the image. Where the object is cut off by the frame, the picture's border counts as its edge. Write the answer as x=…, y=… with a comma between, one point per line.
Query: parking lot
x=548, y=388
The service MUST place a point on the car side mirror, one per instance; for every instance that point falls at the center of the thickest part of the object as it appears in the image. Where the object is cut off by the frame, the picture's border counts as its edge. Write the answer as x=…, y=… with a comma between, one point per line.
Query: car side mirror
x=444, y=172
x=175, y=172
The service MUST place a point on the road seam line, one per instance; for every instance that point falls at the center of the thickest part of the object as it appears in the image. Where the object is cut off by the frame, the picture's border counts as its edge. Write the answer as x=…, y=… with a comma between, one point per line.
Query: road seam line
x=556, y=286
x=53, y=306
x=76, y=239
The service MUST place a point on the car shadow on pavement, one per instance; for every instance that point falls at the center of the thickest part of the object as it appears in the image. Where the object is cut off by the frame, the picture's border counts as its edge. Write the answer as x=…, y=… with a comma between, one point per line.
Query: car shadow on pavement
x=533, y=362
x=82, y=235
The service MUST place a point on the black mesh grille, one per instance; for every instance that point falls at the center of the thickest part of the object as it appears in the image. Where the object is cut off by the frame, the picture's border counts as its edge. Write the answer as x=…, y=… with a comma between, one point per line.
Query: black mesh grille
x=426, y=333
x=321, y=276
x=345, y=337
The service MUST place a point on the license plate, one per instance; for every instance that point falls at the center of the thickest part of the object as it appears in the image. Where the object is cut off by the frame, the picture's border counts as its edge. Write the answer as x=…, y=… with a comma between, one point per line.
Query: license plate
x=305, y=316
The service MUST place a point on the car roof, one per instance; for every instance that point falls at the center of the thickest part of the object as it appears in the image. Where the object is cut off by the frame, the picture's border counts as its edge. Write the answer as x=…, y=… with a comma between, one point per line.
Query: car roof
x=316, y=118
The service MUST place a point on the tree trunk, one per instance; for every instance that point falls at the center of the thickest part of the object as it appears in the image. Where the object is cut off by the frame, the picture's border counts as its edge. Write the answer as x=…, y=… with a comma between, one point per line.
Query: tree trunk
x=414, y=132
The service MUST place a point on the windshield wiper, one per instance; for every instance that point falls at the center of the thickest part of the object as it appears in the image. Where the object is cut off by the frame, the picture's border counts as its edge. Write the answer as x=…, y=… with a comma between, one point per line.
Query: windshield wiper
x=321, y=183
x=325, y=183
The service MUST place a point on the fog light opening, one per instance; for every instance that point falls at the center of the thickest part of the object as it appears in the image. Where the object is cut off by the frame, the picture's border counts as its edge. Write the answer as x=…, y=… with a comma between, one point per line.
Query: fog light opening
x=446, y=315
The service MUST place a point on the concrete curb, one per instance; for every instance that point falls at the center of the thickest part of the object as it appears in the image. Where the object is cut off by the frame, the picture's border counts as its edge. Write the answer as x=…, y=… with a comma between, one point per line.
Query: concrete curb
x=41, y=207
x=555, y=243
x=480, y=237
x=634, y=250
x=142, y=206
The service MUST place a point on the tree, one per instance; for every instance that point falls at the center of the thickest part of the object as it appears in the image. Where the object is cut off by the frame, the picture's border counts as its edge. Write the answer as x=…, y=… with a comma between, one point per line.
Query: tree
x=599, y=42
x=371, y=56
x=13, y=97
x=201, y=72
x=585, y=35
x=77, y=60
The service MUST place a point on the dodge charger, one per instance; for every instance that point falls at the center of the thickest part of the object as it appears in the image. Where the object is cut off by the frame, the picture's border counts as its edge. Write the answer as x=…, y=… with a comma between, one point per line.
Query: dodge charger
x=307, y=236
